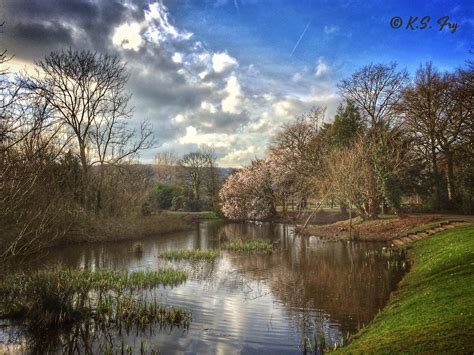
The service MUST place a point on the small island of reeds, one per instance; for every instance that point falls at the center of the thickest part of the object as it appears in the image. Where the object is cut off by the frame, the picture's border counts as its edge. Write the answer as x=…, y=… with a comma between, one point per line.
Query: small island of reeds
x=190, y=254
x=257, y=246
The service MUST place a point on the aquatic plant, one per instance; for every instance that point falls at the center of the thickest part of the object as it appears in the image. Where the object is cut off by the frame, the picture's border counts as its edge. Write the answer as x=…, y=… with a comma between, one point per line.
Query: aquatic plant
x=52, y=298
x=259, y=246
x=129, y=311
x=319, y=344
x=190, y=254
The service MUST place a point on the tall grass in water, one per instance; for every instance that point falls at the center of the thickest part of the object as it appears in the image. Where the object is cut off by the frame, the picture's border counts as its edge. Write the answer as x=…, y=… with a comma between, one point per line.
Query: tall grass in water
x=190, y=254
x=259, y=246
x=58, y=297
x=321, y=343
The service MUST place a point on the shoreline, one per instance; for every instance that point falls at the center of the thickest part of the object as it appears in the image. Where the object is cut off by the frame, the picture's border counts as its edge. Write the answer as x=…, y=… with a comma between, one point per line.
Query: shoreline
x=122, y=229
x=139, y=227
x=392, y=229
x=430, y=309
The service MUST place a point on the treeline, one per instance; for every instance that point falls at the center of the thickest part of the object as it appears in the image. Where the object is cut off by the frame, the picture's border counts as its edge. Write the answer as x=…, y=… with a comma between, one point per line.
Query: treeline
x=67, y=148
x=396, y=144
x=185, y=183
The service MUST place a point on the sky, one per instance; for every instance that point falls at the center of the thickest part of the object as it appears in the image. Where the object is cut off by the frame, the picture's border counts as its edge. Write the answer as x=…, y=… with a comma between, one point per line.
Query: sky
x=227, y=74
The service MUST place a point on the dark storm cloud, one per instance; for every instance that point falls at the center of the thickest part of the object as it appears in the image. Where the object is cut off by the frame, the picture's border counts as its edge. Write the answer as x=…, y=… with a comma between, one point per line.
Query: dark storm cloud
x=182, y=96
x=41, y=34
x=217, y=122
x=33, y=28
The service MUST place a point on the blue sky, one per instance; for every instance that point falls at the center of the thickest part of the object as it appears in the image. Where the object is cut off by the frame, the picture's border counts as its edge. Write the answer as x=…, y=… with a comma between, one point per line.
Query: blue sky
x=349, y=33
x=226, y=74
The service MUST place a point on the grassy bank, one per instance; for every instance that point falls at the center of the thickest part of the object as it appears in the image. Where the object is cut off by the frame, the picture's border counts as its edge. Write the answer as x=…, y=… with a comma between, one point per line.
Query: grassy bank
x=433, y=310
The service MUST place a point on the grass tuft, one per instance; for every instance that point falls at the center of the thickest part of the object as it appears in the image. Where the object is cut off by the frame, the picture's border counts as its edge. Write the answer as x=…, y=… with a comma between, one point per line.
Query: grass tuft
x=53, y=298
x=190, y=254
x=258, y=246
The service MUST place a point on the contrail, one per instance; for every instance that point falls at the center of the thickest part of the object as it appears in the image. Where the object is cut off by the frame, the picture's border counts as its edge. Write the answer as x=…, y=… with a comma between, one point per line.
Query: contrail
x=301, y=37
x=236, y=4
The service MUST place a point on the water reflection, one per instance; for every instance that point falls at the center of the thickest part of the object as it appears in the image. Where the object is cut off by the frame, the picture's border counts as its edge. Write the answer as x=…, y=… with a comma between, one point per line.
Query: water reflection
x=241, y=303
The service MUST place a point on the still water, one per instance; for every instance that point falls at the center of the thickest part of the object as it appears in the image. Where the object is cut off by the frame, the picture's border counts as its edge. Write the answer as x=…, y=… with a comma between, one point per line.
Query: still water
x=239, y=303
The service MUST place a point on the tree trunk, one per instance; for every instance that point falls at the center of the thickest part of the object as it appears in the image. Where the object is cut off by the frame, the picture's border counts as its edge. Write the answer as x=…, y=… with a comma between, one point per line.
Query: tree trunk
x=98, y=200
x=434, y=161
x=350, y=221
x=450, y=177
x=85, y=174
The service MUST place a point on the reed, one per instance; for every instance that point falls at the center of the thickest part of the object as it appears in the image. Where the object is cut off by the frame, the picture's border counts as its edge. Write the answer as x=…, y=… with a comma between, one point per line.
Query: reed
x=54, y=298
x=257, y=246
x=190, y=254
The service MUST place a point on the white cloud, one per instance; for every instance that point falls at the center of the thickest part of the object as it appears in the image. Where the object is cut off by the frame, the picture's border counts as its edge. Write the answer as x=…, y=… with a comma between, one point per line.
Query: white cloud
x=214, y=140
x=178, y=118
x=203, y=74
x=239, y=156
x=287, y=108
x=222, y=62
x=160, y=29
x=321, y=68
x=296, y=77
x=208, y=107
x=331, y=29
x=232, y=102
x=177, y=57
x=263, y=122
x=128, y=36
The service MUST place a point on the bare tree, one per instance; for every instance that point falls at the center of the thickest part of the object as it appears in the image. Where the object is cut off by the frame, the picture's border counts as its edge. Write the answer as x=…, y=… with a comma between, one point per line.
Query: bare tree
x=453, y=130
x=166, y=168
x=423, y=108
x=298, y=150
x=353, y=178
x=196, y=166
x=113, y=139
x=87, y=92
x=13, y=121
x=376, y=89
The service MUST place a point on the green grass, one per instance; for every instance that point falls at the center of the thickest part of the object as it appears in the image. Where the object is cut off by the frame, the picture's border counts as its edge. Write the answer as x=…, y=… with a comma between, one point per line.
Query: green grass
x=426, y=227
x=433, y=311
x=53, y=298
x=190, y=254
x=260, y=246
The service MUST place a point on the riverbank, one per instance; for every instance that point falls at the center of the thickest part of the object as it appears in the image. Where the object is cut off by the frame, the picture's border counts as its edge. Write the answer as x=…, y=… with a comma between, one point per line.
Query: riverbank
x=433, y=309
x=92, y=229
x=135, y=227
x=387, y=228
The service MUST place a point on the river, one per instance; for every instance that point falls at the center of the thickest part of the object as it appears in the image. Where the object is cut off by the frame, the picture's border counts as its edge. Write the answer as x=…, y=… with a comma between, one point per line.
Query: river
x=240, y=303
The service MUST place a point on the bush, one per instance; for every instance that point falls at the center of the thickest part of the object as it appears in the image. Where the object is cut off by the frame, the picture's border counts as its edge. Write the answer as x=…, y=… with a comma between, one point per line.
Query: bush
x=177, y=203
x=146, y=209
x=193, y=205
x=161, y=197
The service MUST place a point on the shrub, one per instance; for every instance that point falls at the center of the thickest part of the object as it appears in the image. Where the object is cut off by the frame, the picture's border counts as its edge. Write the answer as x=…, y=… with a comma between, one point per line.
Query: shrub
x=177, y=203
